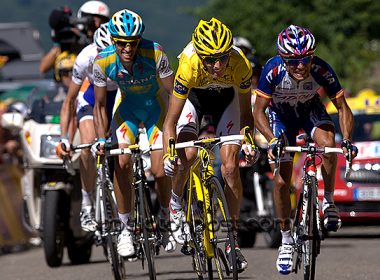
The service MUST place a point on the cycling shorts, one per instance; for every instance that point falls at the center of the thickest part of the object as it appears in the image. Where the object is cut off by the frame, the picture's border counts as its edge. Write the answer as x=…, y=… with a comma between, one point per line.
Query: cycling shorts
x=221, y=105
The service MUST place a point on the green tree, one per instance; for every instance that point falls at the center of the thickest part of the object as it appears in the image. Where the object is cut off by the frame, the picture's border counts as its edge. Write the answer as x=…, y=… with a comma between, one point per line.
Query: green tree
x=346, y=31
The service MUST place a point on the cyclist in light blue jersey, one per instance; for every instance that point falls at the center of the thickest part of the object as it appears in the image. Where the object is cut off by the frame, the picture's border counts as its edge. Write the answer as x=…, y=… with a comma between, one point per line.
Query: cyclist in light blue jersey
x=141, y=70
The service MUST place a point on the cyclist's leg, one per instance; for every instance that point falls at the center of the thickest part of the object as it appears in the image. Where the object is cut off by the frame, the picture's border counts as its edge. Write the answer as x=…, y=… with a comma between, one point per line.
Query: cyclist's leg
x=163, y=189
x=87, y=163
x=323, y=133
x=281, y=194
x=229, y=156
x=122, y=136
x=187, y=129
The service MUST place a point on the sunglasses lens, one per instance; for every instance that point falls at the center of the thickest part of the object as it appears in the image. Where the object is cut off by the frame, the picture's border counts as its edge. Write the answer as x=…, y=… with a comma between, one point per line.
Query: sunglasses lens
x=213, y=60
x=296, y=61
x=123, y=44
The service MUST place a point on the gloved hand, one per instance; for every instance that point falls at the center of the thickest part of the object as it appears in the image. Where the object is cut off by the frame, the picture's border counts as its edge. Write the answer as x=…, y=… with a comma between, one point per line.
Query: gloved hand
x=170, y=164
x=273, y=150
x=98, y=147
x=349, y=148
x=62, y=149
x=251, y=153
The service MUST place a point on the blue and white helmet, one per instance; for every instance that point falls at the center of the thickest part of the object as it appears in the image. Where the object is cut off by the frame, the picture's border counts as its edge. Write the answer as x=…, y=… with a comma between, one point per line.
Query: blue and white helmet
x=102, y=37
x=295, y=41
x=126, y=23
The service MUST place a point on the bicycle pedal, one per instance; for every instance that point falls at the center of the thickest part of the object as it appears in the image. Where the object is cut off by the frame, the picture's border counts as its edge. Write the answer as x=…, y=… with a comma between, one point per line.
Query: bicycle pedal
x=186, y=251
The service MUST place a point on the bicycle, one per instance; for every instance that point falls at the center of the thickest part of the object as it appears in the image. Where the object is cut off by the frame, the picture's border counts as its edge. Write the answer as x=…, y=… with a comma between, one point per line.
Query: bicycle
x=307, y=230
x=207, y=211
x=146, y=234
x=106, y=215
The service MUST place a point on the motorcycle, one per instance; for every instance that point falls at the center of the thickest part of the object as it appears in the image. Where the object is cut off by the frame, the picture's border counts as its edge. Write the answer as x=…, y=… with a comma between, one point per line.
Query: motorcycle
x=51, y=195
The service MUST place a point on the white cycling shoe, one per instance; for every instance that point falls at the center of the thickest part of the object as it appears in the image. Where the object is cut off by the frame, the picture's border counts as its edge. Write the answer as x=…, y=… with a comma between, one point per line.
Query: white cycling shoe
x=87, y=219
x=180, y=229
x=284, y=261
x=125, y=246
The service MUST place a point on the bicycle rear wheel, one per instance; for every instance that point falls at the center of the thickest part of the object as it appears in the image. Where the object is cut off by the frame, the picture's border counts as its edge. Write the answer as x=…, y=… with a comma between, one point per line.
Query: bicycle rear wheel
x=311, y=245
x=147, y=228
x=222, y=232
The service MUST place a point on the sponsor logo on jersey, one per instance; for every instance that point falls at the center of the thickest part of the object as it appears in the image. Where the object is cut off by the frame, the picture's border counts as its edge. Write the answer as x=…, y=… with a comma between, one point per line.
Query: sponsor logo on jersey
x=246, y=84
x=180, y=88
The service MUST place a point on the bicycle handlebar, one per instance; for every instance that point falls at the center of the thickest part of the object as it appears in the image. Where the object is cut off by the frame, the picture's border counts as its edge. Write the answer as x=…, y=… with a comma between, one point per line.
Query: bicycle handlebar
x=313, y=150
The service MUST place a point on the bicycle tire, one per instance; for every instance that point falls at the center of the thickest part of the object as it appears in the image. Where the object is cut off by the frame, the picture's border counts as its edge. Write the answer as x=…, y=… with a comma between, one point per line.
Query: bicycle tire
x=312, y=231
x=196, y=228
x=219, y=203
x=148, y=246
x=117, y=261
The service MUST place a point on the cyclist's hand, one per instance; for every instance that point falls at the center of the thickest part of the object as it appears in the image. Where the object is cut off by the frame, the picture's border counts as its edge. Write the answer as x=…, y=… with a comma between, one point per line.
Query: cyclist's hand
x=98, y=147
x=251, y=153
x=349, y=148
x=170, y=165
x=62, y=149
x=273, y=148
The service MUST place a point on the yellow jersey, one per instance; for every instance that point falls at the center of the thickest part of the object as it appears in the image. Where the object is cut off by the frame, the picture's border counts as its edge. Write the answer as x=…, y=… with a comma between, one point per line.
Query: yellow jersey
x=192, y=74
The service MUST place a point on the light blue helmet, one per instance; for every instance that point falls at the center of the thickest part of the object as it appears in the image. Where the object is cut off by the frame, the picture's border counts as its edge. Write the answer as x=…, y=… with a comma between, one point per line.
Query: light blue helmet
x=126, y=23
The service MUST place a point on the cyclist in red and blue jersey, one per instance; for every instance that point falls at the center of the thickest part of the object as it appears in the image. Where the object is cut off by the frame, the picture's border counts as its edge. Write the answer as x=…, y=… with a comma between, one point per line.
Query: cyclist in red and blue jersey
x=289, y=87
x=141, y=70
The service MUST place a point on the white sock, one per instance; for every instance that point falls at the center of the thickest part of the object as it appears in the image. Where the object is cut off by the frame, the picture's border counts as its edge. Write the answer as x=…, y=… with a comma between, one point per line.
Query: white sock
x=86, y=198
x=124, y=218
x=287, y=237
x=175, y=201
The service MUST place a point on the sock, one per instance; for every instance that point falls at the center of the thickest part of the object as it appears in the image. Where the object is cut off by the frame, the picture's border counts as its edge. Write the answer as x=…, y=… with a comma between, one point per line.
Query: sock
x=328, y=197
x=287, y=237
x=124, y=218
x=175, y=201
x=86, y=199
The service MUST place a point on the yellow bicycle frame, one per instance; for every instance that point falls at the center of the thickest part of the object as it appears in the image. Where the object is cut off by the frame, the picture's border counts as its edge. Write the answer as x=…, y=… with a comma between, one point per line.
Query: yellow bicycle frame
x=200, y=174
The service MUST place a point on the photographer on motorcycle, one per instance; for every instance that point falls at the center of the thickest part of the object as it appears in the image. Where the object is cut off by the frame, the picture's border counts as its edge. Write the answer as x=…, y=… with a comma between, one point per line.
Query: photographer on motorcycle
x=73, y=34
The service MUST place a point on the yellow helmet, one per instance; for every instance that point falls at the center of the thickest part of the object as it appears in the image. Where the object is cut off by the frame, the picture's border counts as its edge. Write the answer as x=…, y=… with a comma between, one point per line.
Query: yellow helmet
x=64, y=63
x=212, y=38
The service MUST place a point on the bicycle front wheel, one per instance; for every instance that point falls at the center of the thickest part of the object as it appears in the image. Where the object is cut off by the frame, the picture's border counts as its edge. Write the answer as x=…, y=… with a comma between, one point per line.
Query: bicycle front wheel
x=311, y=245
x=221, y=233
x=148, y=229
x=111, y=226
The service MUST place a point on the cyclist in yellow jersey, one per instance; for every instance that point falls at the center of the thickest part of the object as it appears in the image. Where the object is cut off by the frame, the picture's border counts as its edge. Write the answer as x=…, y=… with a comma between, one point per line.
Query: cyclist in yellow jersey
x=213, y=78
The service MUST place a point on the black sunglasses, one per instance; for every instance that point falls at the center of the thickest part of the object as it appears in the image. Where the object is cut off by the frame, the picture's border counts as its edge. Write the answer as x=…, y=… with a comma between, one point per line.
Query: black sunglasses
x=213, y=59
x=296, y=61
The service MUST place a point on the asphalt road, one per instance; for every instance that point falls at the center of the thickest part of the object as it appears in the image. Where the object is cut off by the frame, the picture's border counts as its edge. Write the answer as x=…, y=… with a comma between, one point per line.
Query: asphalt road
x=353, y=253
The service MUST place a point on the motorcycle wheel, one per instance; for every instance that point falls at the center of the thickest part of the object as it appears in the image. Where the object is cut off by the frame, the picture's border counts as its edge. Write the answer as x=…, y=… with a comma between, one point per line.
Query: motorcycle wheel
x=79, y=249
x=55, y=225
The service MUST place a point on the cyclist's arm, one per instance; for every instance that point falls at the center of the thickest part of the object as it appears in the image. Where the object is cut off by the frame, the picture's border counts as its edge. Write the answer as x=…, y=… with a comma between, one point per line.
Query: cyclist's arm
x=168, y=83
x=68, y=109
x=260, y=118
x=245, y=110
x=47, y=62
x=174, y=111
x=100, y=111
x=346, y=119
